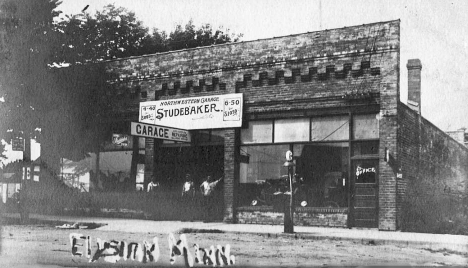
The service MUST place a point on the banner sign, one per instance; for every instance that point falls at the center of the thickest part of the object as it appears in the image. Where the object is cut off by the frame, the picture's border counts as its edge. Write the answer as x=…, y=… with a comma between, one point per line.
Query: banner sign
x=160, y=132
x=217, y=111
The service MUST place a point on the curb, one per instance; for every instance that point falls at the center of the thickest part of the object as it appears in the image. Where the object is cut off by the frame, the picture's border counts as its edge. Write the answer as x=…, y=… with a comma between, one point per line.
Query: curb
x=454, y=248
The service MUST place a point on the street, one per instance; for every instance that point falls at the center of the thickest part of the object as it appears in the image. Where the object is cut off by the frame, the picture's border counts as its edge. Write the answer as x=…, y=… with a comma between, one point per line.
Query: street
x=46, y=245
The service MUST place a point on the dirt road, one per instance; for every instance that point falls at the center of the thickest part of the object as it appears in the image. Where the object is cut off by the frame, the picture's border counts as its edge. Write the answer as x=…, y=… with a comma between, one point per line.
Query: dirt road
x=46, y=246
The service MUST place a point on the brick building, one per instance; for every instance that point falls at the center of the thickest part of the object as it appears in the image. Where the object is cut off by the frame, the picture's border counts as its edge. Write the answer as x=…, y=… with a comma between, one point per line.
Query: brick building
x=459, y=135
x=331, y=97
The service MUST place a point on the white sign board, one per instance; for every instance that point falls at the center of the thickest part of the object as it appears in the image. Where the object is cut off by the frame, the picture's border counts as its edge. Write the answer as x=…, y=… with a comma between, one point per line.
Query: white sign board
x=160, y=132
x=217, y=111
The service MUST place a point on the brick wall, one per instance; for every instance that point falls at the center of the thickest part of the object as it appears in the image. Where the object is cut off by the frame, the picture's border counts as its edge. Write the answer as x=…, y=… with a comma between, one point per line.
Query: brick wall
x=230, y=171
x=302, y=217
x=337, y=71
x=319, y=67
x=432, y=192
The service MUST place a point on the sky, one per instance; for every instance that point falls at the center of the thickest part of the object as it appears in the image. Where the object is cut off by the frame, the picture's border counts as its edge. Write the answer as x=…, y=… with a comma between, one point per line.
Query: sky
x=433, y=31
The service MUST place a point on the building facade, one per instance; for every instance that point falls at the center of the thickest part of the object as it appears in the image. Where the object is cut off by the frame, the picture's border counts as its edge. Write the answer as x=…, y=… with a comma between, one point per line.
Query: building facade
x=331, y=97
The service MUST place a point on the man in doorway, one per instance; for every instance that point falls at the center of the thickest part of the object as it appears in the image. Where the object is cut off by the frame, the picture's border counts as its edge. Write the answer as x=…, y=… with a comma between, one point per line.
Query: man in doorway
x=152, y=186
x=188, y=189
x=188, y=198
x=208, y=188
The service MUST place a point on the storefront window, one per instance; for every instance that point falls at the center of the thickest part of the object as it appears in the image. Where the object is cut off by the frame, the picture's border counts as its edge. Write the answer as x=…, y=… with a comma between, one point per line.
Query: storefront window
x=265, y=163
x=261, y=173
x=321, y=168
x=292, y=130
x=324, y=172
x=330, y=128
x=257, y=132
x=365, y=126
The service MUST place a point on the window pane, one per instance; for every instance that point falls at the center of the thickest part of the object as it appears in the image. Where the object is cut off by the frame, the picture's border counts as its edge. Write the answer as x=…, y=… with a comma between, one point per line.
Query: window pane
x=258, y=132
x=292, y=130
x=264, y=162
x=365, y=147
x=141, y=142
x=366, y=171
x=365, y=126
x=260, y=167
x=324, y=172
x=330, y=128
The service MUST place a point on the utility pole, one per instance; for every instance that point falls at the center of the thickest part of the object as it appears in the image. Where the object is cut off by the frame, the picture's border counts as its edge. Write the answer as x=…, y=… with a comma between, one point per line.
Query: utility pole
x=289, y=209
x=24, y=195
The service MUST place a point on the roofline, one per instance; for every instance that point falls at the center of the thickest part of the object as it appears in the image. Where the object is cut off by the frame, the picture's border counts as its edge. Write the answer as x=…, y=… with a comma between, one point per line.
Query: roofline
x=429, y=122
x=233, y=43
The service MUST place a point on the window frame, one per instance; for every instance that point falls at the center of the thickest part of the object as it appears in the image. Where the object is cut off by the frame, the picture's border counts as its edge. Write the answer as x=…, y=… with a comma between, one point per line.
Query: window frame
x=351, y=141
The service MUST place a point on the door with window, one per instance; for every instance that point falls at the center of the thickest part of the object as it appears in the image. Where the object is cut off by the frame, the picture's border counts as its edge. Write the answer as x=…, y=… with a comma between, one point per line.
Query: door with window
x=364, y=198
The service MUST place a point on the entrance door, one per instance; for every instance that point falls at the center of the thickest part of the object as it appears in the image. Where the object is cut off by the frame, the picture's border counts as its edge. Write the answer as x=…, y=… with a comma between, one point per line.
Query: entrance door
x=364, y=199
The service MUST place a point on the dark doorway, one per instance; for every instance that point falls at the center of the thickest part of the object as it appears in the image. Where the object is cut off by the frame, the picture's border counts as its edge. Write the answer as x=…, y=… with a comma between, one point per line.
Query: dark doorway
x=172, y=165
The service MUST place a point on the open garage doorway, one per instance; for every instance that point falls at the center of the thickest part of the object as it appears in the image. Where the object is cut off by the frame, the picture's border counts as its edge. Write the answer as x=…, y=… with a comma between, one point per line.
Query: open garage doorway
x=172, y=165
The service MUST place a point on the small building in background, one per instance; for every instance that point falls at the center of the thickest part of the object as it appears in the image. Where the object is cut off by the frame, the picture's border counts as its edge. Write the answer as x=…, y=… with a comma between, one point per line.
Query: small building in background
x=459, y=135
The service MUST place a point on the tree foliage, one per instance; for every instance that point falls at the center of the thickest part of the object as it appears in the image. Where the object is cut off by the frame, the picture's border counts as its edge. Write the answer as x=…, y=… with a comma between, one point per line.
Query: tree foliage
x=111, y=33
x=26, y=32
x=115, y=32
x=189, y=36
x=68, y=104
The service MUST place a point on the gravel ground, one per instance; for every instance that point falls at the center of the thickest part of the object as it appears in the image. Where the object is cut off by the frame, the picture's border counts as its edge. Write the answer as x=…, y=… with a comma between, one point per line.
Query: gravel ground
x=46, y=246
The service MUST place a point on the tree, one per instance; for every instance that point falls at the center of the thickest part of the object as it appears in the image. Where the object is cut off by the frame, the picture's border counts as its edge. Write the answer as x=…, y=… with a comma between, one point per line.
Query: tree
x=190, y=37
x=115, y=32
x=26, y=32
x=68, y=104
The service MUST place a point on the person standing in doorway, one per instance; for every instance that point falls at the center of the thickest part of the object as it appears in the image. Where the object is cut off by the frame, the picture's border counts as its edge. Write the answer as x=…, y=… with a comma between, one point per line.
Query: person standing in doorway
x=152, y=186
x=188, y=198
x=208, y=187
x=188, y=190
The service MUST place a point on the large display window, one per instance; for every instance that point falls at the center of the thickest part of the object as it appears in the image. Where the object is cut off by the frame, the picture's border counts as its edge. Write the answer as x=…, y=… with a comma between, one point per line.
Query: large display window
x=265, y=162
x=324, y=171
x=321, y=154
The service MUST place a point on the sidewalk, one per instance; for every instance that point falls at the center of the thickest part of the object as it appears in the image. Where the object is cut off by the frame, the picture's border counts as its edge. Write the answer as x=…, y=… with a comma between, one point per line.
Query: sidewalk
x=457, y=243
